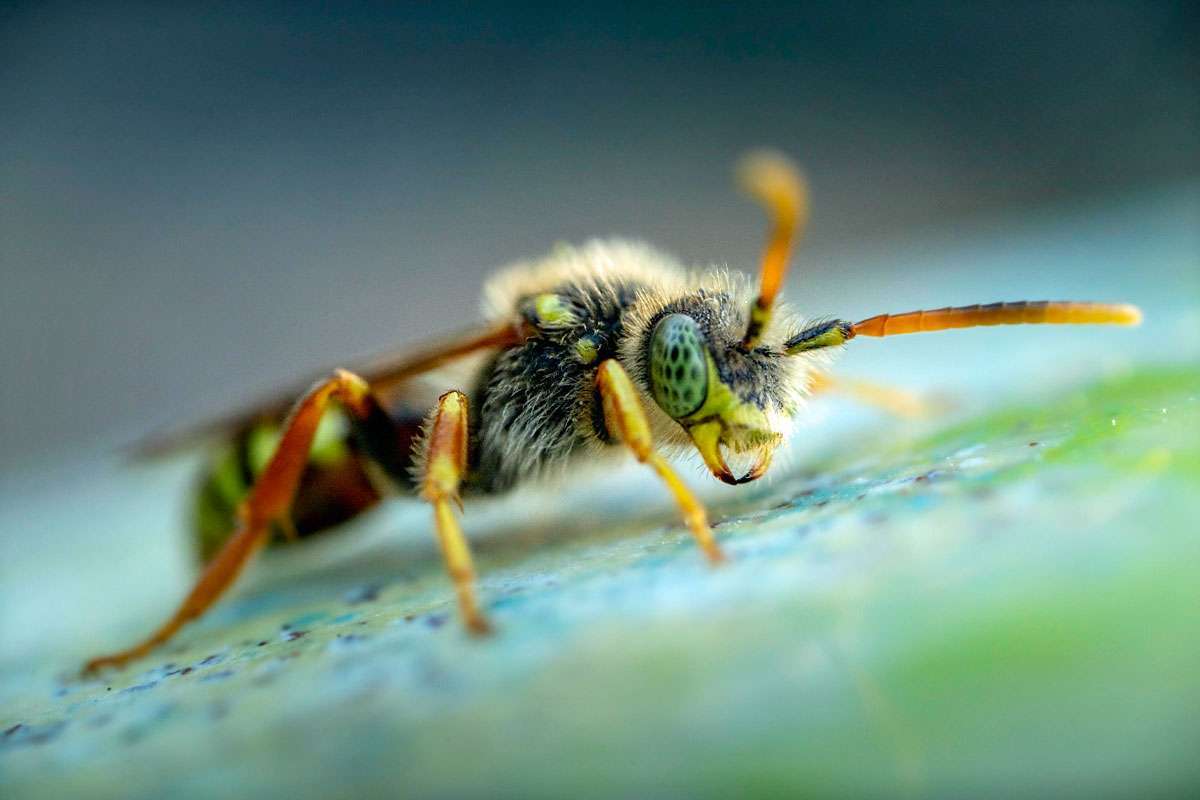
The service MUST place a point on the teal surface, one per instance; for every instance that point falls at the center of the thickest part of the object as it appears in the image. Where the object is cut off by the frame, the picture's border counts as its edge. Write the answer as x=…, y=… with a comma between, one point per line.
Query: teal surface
x=1004, y=603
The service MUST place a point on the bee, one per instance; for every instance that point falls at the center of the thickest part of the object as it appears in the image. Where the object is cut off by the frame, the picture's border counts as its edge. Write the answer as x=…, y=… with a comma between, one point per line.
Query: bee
x=603, y=348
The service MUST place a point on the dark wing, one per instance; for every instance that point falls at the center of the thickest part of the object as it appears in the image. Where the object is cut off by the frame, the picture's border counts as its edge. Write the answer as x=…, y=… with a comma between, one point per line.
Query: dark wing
x=383, y=373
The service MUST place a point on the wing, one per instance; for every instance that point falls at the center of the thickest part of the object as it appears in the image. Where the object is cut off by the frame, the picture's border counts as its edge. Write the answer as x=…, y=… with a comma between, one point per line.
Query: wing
x=383, y=373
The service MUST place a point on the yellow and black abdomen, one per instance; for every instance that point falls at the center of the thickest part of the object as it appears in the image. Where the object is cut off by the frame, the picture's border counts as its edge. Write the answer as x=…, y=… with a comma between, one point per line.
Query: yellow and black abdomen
x=334, y=488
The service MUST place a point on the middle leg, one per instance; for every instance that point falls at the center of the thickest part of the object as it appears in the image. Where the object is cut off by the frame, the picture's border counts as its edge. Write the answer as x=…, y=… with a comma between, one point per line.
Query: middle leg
x=445, y=465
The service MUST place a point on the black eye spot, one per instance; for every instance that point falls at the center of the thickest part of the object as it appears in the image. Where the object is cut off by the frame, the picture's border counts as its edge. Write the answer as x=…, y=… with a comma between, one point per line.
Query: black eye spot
x=674, y=352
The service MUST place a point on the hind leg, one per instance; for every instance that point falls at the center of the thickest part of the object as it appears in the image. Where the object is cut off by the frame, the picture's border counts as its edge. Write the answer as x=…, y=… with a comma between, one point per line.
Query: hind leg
x=269, y=502
x=338, y=482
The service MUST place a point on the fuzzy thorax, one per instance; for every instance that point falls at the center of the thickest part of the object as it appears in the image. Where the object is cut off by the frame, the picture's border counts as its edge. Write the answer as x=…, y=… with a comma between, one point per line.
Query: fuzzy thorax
x=760, y=389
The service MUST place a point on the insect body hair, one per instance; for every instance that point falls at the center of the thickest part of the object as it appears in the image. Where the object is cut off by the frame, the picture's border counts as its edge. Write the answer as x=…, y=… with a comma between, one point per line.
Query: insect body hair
x=719, y=301
x=536, y=405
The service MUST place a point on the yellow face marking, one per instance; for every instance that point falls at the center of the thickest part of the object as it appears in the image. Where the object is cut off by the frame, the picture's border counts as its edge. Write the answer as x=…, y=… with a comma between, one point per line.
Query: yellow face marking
x=725, y=419
x=707, y=438
x=723, y=404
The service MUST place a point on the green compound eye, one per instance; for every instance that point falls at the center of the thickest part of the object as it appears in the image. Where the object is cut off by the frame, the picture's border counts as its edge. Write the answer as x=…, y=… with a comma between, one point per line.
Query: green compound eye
x=678, y=368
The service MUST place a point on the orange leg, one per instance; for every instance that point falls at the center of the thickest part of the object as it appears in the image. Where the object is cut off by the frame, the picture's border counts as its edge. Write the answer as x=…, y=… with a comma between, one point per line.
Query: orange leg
x=624, y=416
x=886, y=398
x=445, y=465
x=269, y=502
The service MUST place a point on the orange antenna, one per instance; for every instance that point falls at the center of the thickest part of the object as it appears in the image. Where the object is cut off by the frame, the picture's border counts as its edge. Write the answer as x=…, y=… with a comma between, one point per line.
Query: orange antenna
x=1023, y=312
x=771, y=179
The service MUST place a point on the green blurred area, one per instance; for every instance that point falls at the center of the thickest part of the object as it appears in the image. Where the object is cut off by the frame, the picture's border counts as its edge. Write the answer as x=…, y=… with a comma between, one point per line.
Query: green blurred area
x=1005, y=606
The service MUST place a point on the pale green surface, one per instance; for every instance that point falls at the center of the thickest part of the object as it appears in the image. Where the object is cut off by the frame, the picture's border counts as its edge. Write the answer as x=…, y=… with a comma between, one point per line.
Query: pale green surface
x=1008, y=605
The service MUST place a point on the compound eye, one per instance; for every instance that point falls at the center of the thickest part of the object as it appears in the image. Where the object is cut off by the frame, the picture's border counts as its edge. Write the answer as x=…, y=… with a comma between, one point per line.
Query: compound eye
x=678, y=368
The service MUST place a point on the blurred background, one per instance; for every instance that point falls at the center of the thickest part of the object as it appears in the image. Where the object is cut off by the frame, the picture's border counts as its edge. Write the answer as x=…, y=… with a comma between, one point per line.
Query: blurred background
x=197, y=204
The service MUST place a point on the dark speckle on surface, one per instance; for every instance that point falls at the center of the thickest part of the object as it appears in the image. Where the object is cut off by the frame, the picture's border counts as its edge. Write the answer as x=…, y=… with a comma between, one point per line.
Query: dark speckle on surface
x=213, y=677
x=930, y=476
x=436, y=620
x=305, y=620
x=140, y=687
x=346, y=641
x=215, y=658
x=363, y=594
x=21, y=734
x=292, y=636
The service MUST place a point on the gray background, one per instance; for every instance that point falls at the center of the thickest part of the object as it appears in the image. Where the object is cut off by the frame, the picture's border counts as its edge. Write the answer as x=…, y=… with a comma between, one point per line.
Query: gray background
x=196, y=205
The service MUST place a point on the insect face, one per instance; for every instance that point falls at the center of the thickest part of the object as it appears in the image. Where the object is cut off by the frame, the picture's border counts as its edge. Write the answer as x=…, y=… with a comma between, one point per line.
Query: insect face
x=729, y=399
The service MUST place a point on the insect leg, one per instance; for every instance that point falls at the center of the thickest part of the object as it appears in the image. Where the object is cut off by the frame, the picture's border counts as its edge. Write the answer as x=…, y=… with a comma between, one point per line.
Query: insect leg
x=445, y=465
x=895, y=401
x=624, y=416
x=269, y=501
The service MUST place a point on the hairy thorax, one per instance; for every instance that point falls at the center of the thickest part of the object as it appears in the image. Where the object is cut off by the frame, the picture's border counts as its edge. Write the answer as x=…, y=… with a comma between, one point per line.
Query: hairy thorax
x=535, y=406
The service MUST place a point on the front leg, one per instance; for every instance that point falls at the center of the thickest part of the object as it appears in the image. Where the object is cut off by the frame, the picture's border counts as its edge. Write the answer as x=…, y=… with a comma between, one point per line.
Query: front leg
x=625, y=417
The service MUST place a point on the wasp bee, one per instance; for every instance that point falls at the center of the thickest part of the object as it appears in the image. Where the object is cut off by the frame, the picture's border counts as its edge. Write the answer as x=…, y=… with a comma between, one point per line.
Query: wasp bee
x=607, y=347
